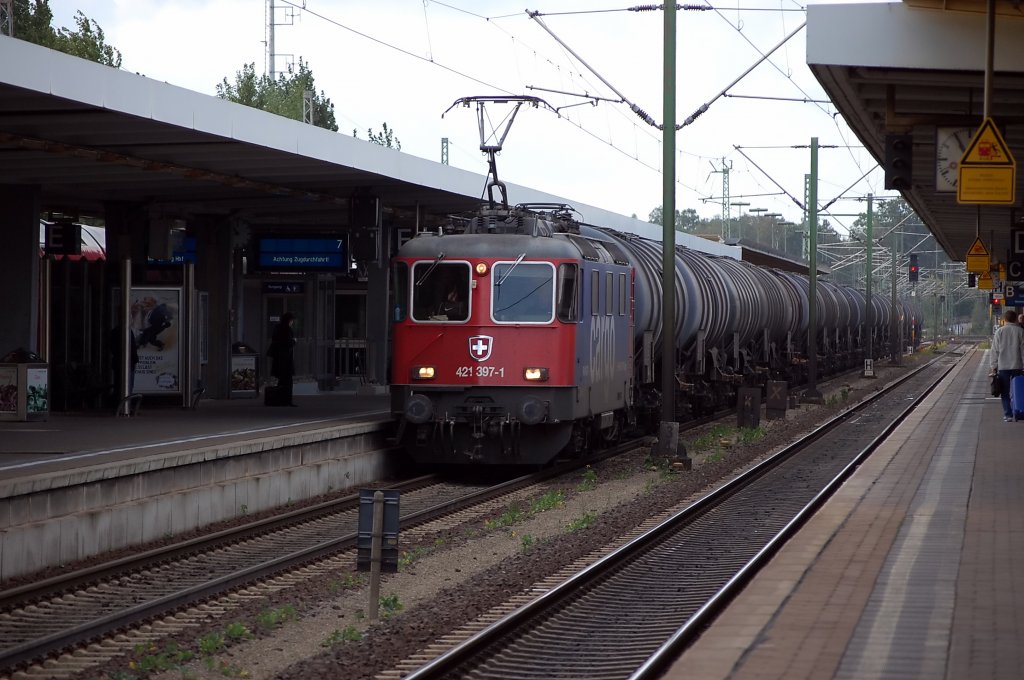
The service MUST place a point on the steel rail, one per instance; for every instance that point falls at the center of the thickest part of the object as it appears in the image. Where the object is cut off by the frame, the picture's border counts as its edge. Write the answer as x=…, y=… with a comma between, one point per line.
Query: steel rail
x=691, y=629
x=468, y=649
x=19, y=595
x=40, y=648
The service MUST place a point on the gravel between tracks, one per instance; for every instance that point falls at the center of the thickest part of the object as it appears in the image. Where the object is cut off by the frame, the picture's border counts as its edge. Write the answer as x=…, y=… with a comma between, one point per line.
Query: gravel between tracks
x=461, y=574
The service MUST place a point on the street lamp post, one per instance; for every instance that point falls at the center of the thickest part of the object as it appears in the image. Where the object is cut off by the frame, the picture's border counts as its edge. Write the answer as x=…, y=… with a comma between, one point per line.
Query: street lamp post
x=741, y=205
x=803, y=243
x=757, y=213
x=773, y=216
x=785, y=224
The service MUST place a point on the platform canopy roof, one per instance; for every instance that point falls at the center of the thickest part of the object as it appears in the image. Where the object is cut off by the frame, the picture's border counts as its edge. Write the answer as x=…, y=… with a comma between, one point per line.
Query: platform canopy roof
x=89, y=135
x=918, y=68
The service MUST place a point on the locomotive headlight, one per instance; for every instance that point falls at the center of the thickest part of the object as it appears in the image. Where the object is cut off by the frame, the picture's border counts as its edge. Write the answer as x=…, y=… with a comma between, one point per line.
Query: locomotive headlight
x=535, y=374
x=481, y=269
x=423, y=372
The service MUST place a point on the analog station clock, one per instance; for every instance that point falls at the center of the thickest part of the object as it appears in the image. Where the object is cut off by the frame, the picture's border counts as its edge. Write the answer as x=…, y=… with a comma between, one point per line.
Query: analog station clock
x=950, y=145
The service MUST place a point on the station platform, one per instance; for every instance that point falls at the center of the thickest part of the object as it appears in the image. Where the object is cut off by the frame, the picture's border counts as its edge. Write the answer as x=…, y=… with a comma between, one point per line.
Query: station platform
x=92, y=437
x=914, y=569
x=80, y=485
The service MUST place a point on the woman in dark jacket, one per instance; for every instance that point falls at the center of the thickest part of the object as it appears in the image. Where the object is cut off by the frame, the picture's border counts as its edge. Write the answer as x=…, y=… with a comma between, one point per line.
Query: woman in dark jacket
x=282, y=366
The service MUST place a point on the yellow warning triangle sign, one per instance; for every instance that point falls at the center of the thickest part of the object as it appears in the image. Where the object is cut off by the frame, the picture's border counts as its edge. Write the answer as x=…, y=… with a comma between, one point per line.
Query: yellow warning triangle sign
x=987, y=147
x=978, y=248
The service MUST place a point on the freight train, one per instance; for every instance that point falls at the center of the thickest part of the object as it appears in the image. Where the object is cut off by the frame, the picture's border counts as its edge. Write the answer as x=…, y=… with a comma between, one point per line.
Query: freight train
x=524, y=335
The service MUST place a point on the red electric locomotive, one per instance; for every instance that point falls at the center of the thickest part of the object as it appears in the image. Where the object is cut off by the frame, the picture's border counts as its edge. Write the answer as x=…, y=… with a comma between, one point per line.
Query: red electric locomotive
x=498, y=356
x=525, y=335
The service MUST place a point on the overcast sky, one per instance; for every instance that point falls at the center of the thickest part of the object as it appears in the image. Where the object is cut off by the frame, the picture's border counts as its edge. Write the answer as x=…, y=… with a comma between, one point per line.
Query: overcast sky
x=404, y=62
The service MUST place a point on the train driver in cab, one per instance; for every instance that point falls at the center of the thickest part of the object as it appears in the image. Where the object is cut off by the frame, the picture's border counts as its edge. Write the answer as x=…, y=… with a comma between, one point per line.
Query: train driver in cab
x=452, y=306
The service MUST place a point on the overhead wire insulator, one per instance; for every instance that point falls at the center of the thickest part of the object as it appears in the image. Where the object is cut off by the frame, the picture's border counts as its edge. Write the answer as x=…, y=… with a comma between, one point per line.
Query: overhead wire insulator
x=636, y=109
x=693, y=116
x=643, y=115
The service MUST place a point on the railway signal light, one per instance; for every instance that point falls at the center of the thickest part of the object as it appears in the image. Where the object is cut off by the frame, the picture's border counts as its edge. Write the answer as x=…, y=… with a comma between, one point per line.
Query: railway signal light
x=899, y=155
x=913, y=272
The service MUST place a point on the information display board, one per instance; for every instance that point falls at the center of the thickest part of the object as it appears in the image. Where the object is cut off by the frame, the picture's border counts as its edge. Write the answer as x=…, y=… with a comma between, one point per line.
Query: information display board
x=300, y=253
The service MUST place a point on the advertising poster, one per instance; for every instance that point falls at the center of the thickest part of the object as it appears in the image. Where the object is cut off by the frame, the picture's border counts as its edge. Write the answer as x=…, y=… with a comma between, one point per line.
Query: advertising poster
x=243, y=374
x=155, y=319
x=38, y=391
x=8, y=389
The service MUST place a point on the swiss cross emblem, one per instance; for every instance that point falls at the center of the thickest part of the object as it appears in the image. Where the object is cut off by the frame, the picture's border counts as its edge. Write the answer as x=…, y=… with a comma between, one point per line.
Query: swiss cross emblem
x=480, y=347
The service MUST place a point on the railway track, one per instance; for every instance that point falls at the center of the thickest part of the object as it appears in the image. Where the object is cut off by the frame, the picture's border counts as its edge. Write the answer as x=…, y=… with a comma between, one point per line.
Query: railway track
x=638, y=606
x=78, y=620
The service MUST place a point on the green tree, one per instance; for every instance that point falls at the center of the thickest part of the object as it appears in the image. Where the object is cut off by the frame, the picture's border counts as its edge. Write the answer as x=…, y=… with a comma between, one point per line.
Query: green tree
x=33, y=23
x=981, y=322
x=283, y=96
x=886, y=213
x=687, y=219
x=88, y=42
x=385, y=138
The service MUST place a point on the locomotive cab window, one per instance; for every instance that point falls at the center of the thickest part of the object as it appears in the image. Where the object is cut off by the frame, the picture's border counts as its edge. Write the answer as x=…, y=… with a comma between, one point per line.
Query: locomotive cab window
x=523, y=292
x=400, y=291
x=568, y=293
x=440, y=291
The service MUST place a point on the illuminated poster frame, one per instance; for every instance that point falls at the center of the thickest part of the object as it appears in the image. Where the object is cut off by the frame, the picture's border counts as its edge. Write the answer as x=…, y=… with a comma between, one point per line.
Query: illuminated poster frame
x=156, y=325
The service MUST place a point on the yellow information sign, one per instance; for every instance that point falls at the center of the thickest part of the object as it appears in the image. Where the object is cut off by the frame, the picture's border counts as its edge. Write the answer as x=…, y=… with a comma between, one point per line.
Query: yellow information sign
x=985, y=281
x=977, y=258
x=987, y=173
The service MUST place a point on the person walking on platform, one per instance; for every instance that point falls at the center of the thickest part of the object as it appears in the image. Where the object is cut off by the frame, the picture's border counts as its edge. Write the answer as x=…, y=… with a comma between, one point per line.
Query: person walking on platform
x=1007, y=358
x=282, y=357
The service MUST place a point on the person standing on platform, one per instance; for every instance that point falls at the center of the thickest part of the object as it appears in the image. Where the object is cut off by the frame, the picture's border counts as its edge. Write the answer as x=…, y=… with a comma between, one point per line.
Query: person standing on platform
x=1007, y=358
x=282, y=357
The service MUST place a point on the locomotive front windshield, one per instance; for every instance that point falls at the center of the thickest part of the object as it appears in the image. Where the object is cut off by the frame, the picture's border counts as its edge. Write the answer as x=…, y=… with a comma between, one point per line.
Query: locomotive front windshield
x=523, y=292
x=440, y=291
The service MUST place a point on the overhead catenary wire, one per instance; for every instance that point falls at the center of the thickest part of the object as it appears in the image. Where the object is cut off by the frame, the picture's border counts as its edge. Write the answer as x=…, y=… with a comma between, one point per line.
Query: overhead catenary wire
x=840, y=195
x=606, y=138
x=764, y=57
x=396, y=48
x=764, y=97
x=793, y=198
x=824, y=206
x=474, y=79
x=788, y=76
x=659, y=8
x=426, y=26
x=636, y=109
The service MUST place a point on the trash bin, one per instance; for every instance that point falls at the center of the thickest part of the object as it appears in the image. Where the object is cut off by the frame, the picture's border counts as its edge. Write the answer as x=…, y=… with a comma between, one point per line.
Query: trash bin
x=24, y=386
x=245, y=383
